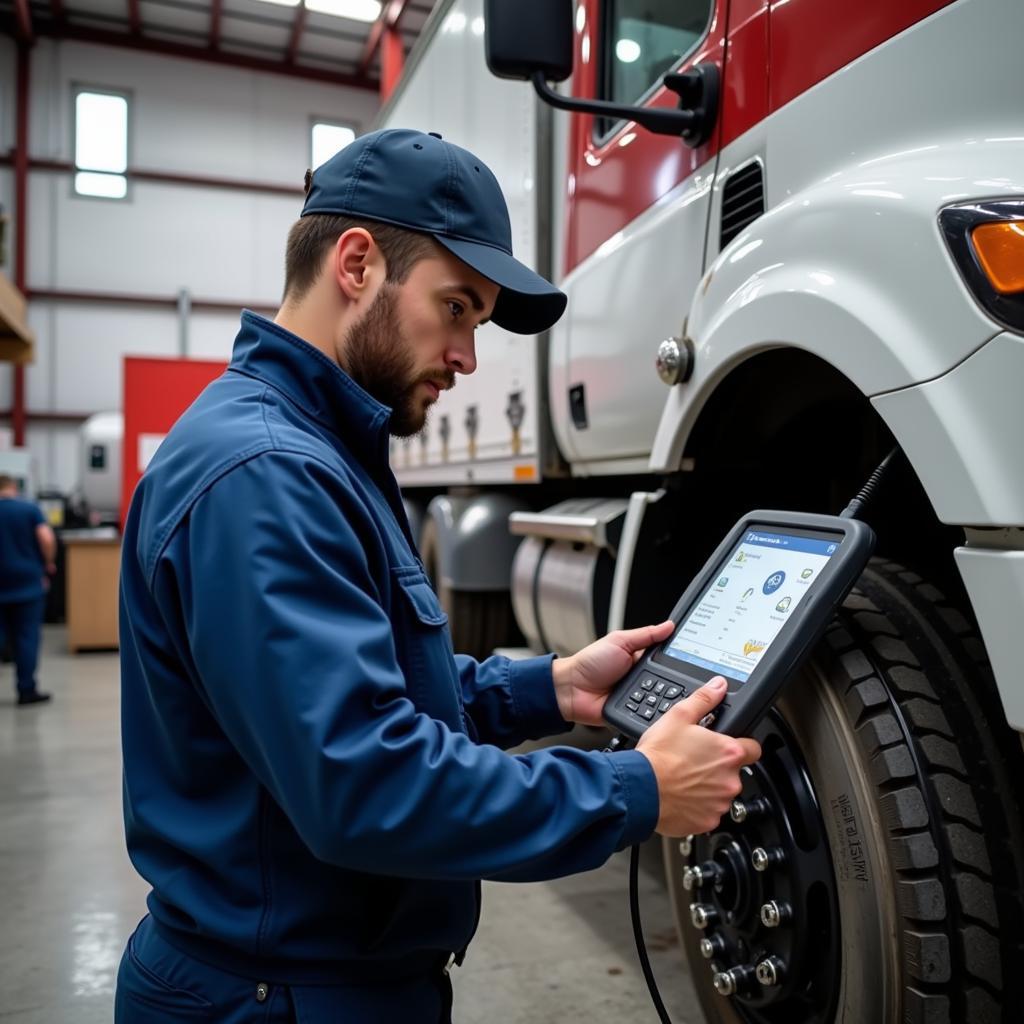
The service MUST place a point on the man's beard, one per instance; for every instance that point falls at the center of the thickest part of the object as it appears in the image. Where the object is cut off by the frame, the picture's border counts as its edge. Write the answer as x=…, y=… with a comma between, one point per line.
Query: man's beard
x=378, y=357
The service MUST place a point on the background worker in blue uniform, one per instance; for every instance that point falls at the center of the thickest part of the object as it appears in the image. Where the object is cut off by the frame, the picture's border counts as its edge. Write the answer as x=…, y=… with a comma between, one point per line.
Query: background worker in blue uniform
x=314, y=783
x=27, y=552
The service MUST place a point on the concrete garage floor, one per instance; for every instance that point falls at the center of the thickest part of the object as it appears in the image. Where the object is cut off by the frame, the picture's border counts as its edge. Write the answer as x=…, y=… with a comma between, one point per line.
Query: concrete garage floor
x=547, y=952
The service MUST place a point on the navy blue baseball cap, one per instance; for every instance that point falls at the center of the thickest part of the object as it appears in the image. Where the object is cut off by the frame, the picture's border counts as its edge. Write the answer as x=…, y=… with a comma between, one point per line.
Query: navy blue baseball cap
x=421, y=182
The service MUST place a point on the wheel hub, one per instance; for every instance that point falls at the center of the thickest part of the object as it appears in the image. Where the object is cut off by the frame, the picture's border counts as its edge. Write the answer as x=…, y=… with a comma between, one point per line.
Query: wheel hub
x=764, y=894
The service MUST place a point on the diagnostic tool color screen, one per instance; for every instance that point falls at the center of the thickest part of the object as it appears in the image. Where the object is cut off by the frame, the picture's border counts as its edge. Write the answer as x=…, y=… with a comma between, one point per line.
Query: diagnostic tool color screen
x=753, y=596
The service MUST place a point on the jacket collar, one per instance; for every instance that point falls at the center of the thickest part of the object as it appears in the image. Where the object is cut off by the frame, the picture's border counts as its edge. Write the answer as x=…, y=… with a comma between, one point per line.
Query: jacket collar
x=320, y=388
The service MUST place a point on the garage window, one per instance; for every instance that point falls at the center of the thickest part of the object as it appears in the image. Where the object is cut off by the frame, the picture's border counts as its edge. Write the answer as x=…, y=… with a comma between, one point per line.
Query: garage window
x=328, y=138
x=101, y=143
x=641, y=40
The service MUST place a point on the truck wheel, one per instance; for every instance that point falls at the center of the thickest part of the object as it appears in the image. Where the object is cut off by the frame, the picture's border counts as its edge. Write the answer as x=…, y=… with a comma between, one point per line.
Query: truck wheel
x=479, y=621
x=872, y=870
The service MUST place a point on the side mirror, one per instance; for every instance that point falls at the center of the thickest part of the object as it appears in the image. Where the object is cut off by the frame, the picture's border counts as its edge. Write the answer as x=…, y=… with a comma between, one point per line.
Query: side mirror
x=527, y=37
x=532, y=40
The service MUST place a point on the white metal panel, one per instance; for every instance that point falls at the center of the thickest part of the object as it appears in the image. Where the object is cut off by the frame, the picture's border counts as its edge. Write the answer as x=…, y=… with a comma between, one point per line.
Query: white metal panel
x=212, y=335
x=90, y=346
x=995, y=583
x=218, y=244
x=848, y=263
x=624, y=300
x=963, y=434
x=54, y=451
x=450, y=91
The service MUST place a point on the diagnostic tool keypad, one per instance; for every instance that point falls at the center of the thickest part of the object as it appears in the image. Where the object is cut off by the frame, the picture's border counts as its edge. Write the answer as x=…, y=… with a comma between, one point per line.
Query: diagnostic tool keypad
x=651, y=697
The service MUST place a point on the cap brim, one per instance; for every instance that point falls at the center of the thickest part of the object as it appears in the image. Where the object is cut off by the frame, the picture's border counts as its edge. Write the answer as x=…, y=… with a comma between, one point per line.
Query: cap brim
x=527, y=303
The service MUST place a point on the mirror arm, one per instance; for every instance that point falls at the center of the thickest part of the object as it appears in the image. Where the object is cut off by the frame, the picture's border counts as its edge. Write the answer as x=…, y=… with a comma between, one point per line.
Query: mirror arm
x=662, y=121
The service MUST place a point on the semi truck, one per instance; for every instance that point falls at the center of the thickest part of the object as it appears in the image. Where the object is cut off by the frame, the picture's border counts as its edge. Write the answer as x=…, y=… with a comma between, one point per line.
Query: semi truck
x=792, y=240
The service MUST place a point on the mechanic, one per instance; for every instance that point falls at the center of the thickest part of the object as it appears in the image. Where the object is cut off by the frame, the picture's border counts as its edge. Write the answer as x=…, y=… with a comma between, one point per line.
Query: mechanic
x=314, y=784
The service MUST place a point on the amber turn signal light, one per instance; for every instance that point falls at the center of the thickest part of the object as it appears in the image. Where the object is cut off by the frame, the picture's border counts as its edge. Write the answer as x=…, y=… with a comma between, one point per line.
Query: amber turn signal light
x=999, y=246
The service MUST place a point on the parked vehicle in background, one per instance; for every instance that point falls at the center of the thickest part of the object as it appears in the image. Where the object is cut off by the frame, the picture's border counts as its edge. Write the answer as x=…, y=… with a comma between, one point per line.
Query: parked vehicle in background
x=831, y=266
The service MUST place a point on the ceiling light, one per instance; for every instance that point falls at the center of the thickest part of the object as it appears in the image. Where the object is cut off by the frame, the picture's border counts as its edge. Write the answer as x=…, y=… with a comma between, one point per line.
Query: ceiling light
x=355, y=10
x=627, y=50
x=283, y=3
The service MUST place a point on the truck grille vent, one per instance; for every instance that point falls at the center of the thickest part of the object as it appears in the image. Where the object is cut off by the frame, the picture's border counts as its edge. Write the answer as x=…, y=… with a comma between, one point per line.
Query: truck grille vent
x=742, y=201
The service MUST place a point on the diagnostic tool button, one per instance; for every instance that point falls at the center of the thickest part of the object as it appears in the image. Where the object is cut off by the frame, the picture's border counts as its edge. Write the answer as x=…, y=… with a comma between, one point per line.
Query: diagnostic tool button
x=637, y=695
x=630, y=706
x=647, y=684
x=673, y=691
x=648, y=713
x=708, y=720
x=665, y=705
x=659, y=687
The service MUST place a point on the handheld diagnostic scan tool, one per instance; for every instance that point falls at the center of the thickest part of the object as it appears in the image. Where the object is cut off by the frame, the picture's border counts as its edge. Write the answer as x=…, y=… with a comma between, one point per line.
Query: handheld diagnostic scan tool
x=751, y=615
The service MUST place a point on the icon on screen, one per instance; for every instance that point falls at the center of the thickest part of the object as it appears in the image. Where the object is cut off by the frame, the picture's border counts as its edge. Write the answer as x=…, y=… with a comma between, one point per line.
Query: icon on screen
x=783, y=605
x=722, y=581
x=774, y=582
x=831, y=548
x=741, y=557
x=747, y=594
x=806, y=574
x=753, y=647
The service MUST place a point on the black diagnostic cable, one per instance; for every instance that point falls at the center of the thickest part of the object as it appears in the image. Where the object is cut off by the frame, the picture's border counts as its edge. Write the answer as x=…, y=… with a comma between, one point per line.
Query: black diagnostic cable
x=852, y=511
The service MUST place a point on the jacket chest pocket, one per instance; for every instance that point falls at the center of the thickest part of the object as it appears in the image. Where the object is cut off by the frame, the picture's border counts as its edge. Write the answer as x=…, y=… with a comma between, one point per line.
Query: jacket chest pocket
x=424, y=647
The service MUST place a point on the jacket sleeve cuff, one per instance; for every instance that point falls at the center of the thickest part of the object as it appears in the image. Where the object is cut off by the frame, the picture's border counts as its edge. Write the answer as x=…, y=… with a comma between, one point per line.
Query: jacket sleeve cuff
x=533, y=696
x=640, y=786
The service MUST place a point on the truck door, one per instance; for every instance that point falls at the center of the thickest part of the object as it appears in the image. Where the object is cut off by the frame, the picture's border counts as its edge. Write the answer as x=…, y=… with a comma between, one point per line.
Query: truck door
x=637, y=211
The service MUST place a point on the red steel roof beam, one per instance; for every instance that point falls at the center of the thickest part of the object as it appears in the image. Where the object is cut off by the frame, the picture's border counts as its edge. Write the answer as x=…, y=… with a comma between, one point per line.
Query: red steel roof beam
x=23, y=18
x=134, y=17
x=215, y=24
x=298, y=27
x=146, y=44
x=390, y=15
x=392, y=60
x=21, y=223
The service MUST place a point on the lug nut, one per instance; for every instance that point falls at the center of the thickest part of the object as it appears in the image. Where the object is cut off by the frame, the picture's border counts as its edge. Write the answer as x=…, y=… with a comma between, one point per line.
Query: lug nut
x=762, y=859
x=741, y=810
x=702, y=914
x=770, y=970
x=711, y=946
x=725, y=983
x=694, y=878
x=728, y=983
x=686, y=846
x=773, y=914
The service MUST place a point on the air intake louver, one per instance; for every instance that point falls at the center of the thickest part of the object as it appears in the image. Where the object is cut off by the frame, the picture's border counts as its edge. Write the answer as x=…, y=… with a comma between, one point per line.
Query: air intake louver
x=742, y=201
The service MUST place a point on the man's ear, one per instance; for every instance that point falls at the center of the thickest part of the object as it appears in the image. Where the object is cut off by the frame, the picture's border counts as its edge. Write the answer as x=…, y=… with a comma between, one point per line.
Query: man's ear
x=357, y=263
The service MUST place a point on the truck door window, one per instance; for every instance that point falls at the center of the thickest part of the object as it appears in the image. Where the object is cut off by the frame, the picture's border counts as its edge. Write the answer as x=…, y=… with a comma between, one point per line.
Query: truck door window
x=641, y=40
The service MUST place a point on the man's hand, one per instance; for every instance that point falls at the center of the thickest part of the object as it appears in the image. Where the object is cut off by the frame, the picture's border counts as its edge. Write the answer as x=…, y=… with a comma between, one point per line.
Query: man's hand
x=582, y=682
x=698, y=771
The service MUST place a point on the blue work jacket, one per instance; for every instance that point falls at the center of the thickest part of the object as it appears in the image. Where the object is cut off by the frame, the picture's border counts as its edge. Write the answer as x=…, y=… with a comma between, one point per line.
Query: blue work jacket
x=313, y=782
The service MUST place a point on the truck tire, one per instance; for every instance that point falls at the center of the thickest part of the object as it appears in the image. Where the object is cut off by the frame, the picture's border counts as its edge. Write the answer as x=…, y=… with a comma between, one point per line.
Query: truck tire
x=888, y=808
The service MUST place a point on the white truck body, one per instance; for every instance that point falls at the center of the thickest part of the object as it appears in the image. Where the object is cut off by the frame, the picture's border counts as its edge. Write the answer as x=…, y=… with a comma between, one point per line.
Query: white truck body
x=854, y=178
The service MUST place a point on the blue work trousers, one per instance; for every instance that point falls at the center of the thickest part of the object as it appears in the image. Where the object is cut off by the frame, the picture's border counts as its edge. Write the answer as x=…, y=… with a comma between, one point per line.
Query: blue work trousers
x=19, y=626
x=158, y=984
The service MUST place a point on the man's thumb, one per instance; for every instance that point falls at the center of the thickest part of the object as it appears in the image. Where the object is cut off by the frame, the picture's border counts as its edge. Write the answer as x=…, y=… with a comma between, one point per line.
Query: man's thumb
x=701, y=701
